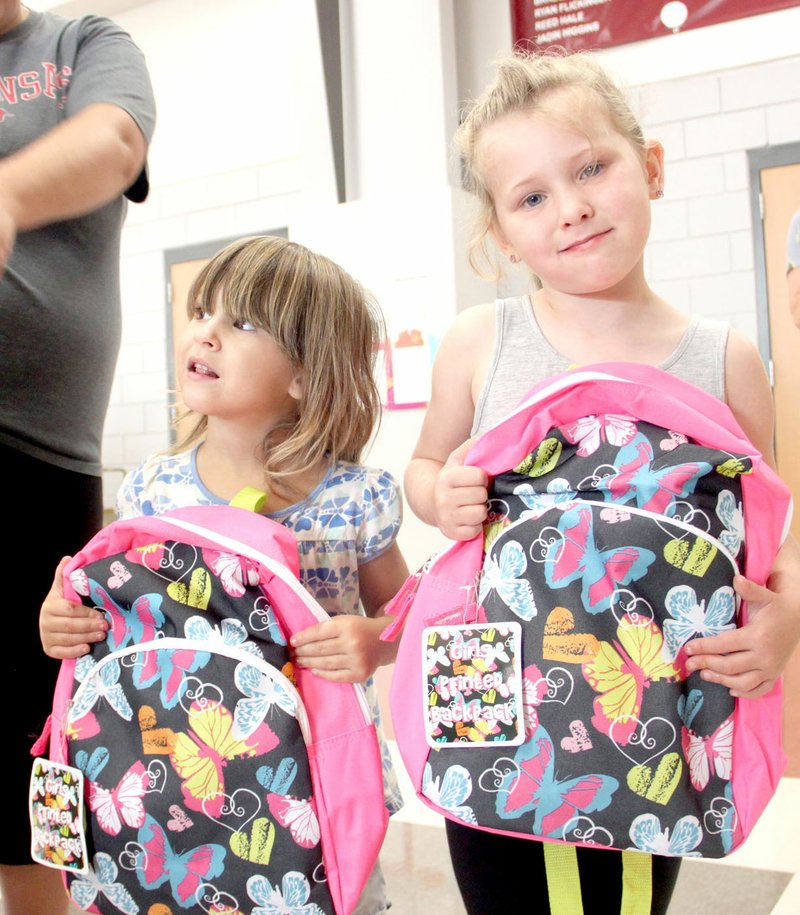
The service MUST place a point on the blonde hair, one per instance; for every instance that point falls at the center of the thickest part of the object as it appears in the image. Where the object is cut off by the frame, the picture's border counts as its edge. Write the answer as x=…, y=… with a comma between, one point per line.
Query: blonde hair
x=324, y=322
x=523, y=82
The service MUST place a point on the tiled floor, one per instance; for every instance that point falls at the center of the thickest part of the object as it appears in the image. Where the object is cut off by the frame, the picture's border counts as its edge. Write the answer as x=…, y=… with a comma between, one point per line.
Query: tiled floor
x=761, y=878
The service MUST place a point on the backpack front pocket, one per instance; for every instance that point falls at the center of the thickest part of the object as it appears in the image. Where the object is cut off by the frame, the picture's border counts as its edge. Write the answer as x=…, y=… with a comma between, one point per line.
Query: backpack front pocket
x=622, y=747
x=199, y=789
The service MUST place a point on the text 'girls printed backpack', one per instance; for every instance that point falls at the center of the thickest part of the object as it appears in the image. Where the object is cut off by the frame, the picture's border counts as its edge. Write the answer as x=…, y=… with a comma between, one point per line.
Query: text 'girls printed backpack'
x=540, y=687
x=216, y=776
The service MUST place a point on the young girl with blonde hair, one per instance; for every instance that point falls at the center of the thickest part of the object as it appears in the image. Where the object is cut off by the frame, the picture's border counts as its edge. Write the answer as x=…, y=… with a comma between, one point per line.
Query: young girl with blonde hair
x=564, y=179
x=276, y=363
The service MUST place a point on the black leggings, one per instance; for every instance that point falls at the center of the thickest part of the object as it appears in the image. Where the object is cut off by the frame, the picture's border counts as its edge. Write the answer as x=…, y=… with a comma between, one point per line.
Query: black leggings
x=503, y=875
x=60, y=512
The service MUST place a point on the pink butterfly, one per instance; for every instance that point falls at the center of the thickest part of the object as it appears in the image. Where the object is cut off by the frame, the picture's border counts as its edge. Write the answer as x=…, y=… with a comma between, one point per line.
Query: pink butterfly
x=122, y=804
x=704, y=752
x=137, y=623
x=575, y=555
x=653, y=488
x=180, y=819
x=235, y=572
x=119, y=575
x=186, y=871
x=531, y=785
x=298, y=815
x=590, y=431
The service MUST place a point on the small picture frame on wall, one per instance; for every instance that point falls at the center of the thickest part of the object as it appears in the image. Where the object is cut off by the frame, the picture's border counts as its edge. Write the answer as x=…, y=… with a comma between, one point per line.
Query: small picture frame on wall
x=405, y=361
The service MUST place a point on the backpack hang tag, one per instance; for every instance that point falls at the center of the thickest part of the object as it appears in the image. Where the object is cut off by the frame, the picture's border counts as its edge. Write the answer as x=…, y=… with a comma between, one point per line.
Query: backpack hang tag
x=473, y=685
x=56, y=811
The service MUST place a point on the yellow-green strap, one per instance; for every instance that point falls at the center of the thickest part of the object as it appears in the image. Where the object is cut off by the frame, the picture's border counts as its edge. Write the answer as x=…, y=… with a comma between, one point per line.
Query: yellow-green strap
x=637, y=883
x=250, y=498
x=563, y=879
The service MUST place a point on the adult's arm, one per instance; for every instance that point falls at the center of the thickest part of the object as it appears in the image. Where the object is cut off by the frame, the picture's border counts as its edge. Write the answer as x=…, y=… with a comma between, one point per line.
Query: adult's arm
x=78, y=166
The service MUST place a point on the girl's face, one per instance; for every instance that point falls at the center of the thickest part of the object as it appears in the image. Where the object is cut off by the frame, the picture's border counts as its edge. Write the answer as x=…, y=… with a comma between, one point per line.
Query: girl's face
x=235, y=371
x=572, y=202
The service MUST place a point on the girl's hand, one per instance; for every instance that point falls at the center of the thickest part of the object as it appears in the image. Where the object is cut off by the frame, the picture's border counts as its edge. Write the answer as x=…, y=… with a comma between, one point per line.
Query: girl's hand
x=460, y=497
x=66, y=628
x=346, y=648
x=749, y=660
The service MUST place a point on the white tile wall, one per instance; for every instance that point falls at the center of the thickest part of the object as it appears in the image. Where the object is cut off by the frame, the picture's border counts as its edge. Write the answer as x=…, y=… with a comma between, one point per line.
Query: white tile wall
x=723, y=132
x=701, y=258
x=710, y=213
x=782, y=122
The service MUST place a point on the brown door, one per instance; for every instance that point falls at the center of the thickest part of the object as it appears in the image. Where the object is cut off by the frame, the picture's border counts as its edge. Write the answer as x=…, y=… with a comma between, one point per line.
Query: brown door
x=780, y=188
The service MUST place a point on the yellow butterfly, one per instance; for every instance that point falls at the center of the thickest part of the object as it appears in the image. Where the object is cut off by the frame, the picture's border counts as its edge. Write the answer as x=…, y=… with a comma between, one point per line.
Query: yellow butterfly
x=621, y=670
x=199, y=757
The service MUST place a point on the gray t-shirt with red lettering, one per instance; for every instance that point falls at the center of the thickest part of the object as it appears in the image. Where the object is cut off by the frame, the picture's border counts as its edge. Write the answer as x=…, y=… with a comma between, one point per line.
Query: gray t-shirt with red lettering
x=59, y=295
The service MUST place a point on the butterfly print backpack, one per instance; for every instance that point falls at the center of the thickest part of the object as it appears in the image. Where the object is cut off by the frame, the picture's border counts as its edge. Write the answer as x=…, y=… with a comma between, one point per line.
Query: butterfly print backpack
x=540, y=687
x=215, y=776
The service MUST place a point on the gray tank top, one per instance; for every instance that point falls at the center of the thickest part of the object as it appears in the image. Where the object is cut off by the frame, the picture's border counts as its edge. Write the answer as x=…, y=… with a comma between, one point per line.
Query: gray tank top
x=699, y=358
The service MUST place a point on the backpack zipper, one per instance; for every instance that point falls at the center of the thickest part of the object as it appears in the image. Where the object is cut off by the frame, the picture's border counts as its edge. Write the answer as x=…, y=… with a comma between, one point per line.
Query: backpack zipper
x=643, y=512
x=172, y=643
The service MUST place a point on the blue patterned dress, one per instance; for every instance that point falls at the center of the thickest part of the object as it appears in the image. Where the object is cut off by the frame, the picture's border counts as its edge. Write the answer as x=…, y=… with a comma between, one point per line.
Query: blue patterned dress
x=350, y=518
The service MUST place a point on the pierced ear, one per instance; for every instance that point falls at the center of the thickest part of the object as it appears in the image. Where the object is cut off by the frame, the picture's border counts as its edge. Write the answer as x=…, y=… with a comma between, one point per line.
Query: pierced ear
x=297, y=385
x=654, y=168
x=505, y=249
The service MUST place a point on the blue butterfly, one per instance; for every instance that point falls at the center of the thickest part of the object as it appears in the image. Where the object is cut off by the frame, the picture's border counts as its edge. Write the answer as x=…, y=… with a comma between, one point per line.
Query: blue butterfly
x=531, y=785
x=690, y=617
x=99, y=681
x=134, y=624
x=231, y=632
x=537, y=502
x=504, y=577
x=290, y=899
x=157, y=863
x=450, y=791
x=170, y=666
x=575, y=555
x=261, y=692
x=647, y=835
x=101, y=878
x=729, y=512
x=653, y=489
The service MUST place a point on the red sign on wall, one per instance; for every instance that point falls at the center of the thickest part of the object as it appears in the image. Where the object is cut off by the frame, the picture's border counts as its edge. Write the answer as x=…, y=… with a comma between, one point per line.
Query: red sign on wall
x=584, y=24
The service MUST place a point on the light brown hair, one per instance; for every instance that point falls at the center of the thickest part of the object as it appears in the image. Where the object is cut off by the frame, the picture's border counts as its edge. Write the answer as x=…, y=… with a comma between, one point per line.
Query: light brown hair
x=524, y=81
x=324, y=322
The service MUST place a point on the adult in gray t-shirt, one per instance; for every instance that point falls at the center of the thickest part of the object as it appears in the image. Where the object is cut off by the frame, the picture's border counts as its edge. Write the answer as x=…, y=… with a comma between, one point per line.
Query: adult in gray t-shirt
x=76, y=115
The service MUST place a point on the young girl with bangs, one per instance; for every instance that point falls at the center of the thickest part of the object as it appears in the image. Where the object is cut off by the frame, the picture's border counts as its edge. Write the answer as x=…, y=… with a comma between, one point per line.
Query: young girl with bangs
x=564, y=180
x=276, y=363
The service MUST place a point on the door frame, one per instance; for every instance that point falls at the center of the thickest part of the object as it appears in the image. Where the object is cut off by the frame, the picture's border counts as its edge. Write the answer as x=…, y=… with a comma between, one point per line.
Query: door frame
x=759, y=159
